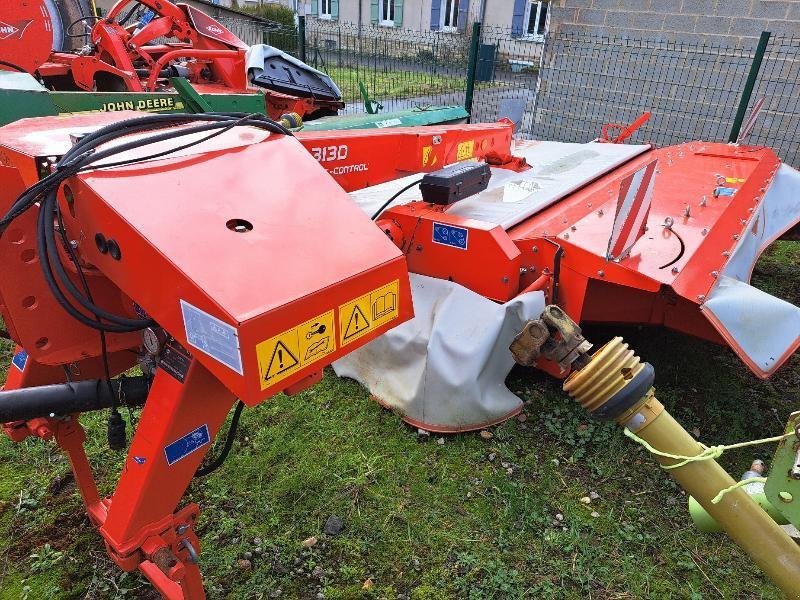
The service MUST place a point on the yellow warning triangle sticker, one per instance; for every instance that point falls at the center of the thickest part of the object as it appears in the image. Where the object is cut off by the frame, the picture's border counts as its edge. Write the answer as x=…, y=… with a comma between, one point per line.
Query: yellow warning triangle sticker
x=358, y=322
x=282, y=360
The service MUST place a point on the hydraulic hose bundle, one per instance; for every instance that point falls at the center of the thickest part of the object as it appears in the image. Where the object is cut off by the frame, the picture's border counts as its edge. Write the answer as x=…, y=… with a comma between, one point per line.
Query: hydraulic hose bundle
x=84, y=156
x=88, y=154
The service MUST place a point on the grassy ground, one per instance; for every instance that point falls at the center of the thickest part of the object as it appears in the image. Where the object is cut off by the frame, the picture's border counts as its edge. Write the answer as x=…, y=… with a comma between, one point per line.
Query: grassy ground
x=466, y=518
x=387, y=85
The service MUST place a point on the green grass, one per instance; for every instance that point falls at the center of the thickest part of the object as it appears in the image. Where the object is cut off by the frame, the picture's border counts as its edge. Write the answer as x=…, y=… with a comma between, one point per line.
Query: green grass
x=431, y=521
x=384, y=85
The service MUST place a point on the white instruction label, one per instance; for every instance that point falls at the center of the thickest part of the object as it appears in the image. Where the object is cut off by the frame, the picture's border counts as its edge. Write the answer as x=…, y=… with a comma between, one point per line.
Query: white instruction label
x=212, y=336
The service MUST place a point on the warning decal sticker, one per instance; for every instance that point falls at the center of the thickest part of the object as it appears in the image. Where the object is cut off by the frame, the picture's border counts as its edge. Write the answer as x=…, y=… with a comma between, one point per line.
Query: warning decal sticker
x=288, y=352
x=368, y=312
x=465, y=150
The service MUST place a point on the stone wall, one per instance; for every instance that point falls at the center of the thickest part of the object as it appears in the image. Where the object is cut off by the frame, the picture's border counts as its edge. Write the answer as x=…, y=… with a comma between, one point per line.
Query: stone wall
x=719, y=22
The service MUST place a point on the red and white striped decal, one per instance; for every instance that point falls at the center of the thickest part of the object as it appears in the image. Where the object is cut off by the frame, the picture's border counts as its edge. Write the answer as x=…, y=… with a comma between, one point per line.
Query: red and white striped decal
x=633, y=206
x=751, y=120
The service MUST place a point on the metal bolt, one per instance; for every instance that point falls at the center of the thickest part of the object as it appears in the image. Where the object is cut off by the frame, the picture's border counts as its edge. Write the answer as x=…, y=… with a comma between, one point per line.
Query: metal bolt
x=564, y=220
x=600, y=213
x=715, y=274
x=704, y=231
x=73, y=244
x=701, y=297
x=523, y=270
x=726, y=254
x=687, y=212
x=573, y=228
x=419, y=248
x=703, y=201
x=505, y=279
x=736, y=237
x=674, y=270
x=566, y=236
x=601, y=273
x=535, y=249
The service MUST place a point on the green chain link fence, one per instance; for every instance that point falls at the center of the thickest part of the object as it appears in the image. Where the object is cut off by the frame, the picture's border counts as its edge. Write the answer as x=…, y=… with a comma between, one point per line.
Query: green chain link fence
x=692, y=90
x=562, y=88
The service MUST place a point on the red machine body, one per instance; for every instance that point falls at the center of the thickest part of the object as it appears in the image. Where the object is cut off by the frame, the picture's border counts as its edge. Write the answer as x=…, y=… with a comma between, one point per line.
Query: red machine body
x=359, y=158
x=259, y=276
x=262, y=271
x=135, y=57
x=707, y=220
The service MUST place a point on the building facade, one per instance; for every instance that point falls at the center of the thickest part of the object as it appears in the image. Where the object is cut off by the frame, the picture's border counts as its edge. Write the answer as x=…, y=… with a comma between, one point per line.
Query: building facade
x=526, y=18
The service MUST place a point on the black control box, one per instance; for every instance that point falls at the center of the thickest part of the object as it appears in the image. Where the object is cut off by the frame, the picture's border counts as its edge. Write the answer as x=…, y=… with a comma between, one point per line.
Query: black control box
x=455, y=182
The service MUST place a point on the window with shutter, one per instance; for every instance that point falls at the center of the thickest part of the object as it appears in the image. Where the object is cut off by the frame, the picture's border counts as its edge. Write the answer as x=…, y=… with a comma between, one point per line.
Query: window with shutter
x=448, y=15
x=325, y=9
x=535, y=20
x=386, y=13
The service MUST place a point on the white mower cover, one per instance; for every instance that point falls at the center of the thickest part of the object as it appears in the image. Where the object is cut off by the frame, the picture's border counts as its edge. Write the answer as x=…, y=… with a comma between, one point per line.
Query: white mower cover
x=762, y=329
x=445, y=369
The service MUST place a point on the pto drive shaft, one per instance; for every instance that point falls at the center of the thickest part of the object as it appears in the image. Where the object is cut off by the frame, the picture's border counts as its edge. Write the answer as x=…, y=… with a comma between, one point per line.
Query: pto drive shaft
x=617, y=385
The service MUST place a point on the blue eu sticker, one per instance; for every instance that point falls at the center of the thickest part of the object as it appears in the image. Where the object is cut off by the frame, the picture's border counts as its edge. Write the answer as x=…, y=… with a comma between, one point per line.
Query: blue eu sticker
x=184, y=446
x=20, y=359
x=450, y=235
x=724, y=191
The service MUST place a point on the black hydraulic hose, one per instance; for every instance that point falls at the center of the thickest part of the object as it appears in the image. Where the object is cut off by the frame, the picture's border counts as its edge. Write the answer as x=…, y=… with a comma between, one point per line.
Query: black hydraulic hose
x=83, y=156
x=229, y=439
x=66, y=398
x=11, y=65
x=394, y=197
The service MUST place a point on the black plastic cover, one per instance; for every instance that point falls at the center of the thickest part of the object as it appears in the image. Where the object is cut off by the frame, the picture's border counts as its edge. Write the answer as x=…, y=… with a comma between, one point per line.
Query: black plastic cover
x=295, y=79
x=455, y=182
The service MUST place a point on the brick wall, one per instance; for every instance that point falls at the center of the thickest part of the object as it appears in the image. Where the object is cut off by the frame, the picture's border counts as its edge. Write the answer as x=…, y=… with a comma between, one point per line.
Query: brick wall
x=718, y=22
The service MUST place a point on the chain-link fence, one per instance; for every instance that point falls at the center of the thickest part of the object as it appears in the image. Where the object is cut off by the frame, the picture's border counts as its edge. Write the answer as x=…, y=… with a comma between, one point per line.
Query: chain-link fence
x=563, y=88
x=692, y=90
x=778, y=125
x=506, y=74
x=397, y=69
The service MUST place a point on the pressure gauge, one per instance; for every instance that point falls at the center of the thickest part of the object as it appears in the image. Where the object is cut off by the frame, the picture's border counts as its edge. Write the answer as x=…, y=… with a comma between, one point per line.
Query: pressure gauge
x=154, y=339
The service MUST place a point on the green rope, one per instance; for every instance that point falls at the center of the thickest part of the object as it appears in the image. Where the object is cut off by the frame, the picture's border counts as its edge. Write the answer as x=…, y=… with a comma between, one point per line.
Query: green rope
x=708, y=453
x=716, y=499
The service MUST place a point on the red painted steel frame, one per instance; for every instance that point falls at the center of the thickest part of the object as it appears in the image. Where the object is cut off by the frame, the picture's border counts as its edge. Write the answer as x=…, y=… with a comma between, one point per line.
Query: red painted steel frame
x=360, y=158
x=170, y=218
x=562, y=249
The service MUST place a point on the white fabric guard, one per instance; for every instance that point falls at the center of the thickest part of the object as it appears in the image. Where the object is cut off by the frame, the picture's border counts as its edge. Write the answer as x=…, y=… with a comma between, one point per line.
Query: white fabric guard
x=445, y=369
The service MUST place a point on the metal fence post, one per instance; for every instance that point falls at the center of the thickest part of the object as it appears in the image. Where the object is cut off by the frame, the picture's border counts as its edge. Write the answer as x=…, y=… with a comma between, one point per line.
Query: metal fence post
x=301, y=37
x=472, y=67
x=749, y=85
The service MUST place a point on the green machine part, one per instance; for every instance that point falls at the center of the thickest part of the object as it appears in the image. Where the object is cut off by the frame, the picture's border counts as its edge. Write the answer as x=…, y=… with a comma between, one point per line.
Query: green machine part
x=780, y=495
x=22, y=96
x=413, y=117
x=705, y=522
x=783, y=484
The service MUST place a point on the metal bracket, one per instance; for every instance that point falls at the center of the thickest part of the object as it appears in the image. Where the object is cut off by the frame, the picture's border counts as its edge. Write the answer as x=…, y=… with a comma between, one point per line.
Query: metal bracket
x=783, y=484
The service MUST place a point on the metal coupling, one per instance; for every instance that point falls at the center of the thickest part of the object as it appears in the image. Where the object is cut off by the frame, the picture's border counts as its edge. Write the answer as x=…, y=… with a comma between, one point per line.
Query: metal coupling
x=613, y=382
